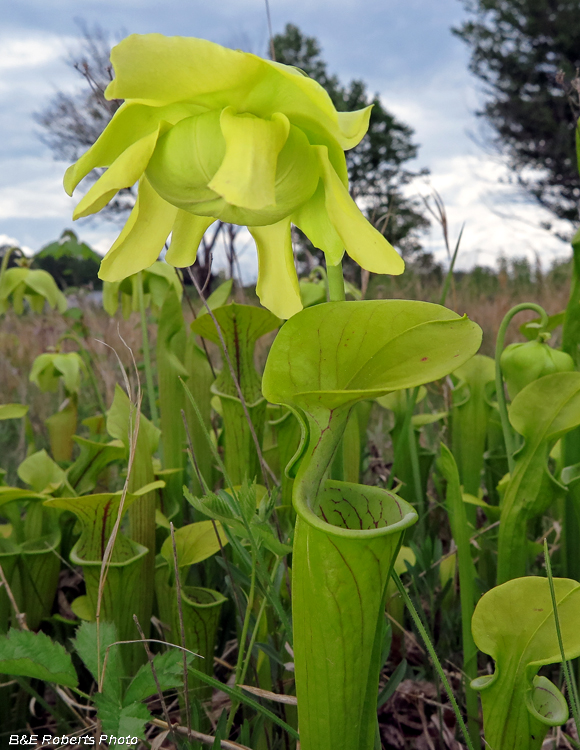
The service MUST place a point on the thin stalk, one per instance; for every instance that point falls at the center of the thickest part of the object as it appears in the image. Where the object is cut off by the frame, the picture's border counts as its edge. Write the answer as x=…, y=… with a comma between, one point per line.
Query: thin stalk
x=449, y=277
x=436, y=663
x=508, y=435
x=147, y=352
x=242, y=642
x=335, y=281
x=570, y=682
x=252, y=641
x=257, y=626
x=182, y=628
x=155, y=678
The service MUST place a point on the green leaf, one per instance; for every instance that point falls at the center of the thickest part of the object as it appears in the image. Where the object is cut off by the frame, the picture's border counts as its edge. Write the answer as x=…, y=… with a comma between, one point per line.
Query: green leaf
x=470, y=416
x=218, y=298
x=44, y=285
x=514, y=624
x=120, y=721
x=85, y=644
x=48, y=368
x=394, y=681
x=194, y=543
x=13, y=411
x=81, y=606
x=460, y=528
x=121, y=419
x=235, y=692
x=41, y=472
x=542, y=412
x=27, y=654
x=97, y=515
x=531, y=328
x=341, y=352
x=169, y=670
x=92, y=459
x=241, y=326
x=312, y=293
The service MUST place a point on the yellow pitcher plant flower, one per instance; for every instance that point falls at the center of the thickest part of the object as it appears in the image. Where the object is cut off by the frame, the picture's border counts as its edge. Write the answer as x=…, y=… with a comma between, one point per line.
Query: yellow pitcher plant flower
x=216, y=134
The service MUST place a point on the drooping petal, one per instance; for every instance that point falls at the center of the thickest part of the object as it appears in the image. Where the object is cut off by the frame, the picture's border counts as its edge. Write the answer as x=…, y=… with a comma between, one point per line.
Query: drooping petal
x=142, y=238
x=157, y=70
x=130, y=123
x=277, y=285
x=123, y=173
x=186, y=235
x=247, y=174
x=312, y=218
x=354, y=125
x=361, y=240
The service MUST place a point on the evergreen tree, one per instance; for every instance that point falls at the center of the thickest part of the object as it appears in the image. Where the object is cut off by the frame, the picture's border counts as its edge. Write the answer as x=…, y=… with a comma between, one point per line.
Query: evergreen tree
x=527, y=55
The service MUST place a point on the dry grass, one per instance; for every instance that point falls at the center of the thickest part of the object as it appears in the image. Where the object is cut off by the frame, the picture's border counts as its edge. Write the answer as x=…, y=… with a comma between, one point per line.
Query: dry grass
x=23, y=338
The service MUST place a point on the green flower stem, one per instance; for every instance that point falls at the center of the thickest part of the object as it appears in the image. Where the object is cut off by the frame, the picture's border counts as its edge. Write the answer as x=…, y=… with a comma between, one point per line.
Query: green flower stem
x=508, y=434
x=147, y=352
x=335, y=280
x=335, y=287
x=566, y=666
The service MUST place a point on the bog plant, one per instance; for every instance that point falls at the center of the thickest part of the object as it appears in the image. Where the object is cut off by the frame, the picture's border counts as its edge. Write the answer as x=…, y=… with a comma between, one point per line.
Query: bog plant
x=229, y=511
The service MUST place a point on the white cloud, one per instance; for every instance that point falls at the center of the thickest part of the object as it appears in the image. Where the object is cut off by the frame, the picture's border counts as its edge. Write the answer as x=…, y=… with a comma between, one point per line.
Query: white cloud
x=29, y=51
x=6, y=239
x=499, y=220
x=38, y=192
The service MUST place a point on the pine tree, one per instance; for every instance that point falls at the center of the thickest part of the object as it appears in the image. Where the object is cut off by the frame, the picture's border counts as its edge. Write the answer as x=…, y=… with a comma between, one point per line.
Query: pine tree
x=527, y=54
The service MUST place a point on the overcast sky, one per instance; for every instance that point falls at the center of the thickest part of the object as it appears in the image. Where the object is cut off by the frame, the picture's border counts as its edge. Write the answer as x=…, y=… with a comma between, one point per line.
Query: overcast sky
x=403, y=49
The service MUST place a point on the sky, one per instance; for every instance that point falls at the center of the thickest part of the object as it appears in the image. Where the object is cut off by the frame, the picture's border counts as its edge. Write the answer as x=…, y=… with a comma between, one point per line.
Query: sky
x=403, y=49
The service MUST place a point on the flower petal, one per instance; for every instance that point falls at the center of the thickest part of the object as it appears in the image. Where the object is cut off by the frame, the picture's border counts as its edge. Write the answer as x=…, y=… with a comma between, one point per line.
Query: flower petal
x=361, y=240
x=129, y=124
x=186, y=235
x=247, y=174
x=277, y=285
x=312, y=218
x=158, y=70
x=142, y=238
x=123, y=173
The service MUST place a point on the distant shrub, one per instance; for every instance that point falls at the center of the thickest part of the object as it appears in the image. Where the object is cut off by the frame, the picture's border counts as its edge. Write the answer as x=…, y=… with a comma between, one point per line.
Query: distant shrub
x=70, y=262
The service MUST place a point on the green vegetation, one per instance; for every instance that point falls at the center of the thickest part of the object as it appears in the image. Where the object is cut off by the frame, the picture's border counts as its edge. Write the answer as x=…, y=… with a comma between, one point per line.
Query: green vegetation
x=313, y=511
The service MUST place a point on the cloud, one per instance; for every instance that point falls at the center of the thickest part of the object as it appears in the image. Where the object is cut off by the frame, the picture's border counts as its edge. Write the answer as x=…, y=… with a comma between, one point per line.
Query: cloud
x=6, y=239
x=499, y=220
x=38, y=191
